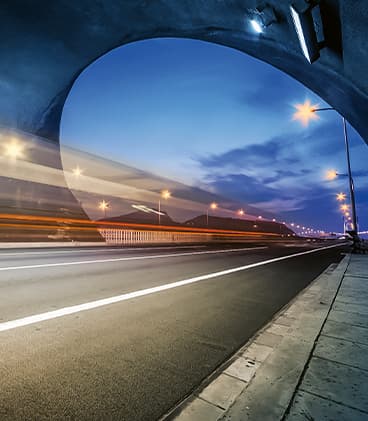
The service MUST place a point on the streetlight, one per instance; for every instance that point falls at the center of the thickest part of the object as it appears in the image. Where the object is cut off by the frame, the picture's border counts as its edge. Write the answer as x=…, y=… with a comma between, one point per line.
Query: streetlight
x=165, y=194
x=331, y=175
x=308, y=113
x=240, y=212
x=212, y=206
x=104, y=206
x=341, y=197
x=344, y=207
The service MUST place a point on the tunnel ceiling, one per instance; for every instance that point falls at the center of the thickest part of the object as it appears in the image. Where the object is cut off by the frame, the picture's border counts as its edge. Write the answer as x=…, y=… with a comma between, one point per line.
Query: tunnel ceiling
x=46, y=45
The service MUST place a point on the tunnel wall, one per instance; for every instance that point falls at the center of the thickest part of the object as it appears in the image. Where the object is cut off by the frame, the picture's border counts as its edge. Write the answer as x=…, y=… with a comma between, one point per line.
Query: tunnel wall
x=45, y=46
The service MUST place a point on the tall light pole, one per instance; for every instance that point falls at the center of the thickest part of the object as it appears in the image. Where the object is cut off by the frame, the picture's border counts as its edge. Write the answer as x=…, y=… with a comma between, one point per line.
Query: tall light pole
x=213, y=206
x=165, y=194
x=305, y=112
x=104, y=206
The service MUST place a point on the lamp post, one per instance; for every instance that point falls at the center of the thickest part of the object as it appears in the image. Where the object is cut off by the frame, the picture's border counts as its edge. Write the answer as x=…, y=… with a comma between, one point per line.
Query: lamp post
x=305, y=113
x=211, y=206
x=104, y=206
x=165, y=194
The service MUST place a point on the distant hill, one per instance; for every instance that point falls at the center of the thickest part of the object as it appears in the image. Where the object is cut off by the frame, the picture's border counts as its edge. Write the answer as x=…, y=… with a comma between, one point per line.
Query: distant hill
x=201, y=222
x=238, y=224
x=142, y=218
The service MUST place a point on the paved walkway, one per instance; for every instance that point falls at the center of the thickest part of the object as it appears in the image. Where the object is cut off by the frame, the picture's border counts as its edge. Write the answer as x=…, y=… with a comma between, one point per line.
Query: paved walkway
x=310, y=363
x=334, y=385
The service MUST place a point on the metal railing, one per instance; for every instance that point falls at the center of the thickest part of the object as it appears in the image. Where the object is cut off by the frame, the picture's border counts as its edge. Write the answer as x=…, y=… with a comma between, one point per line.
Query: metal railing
x=126, y=237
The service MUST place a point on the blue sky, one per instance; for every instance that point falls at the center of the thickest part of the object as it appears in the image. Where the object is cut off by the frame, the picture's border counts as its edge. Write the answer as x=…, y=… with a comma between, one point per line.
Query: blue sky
x=214, y=118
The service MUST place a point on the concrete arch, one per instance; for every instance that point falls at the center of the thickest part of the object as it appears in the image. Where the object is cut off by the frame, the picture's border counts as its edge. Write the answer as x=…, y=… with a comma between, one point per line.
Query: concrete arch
x=46, y=46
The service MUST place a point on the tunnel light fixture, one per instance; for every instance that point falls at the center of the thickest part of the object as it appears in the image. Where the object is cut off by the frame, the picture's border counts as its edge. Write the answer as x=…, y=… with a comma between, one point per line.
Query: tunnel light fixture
x=257, y=26
x=305, y=30
x=261, y=18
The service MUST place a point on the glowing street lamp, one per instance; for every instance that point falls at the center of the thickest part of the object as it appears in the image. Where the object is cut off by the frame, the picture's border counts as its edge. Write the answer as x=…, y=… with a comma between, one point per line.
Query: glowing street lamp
x=331, y=175
x=212, y=206
x=341, y=197
x=240, y=212
x=14, y=150
x=165, y=194
x=305, y=113
x=344, y=207
x=104, y=206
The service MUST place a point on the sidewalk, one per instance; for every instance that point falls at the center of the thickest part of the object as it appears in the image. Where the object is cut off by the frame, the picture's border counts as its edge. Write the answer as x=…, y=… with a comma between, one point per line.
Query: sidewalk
x=309, y=363
x=334, y=385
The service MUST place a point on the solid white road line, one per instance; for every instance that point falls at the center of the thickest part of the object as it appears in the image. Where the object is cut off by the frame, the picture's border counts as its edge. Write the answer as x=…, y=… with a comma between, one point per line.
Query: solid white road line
x=101, y=249
x=123, y=259
x=25, y=321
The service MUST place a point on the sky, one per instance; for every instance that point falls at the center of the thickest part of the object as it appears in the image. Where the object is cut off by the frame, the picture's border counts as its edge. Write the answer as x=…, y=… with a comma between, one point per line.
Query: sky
x=215, y=118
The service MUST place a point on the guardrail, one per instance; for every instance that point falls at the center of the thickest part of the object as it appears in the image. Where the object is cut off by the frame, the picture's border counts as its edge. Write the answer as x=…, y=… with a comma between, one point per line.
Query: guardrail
x=130, y=237
x=126, y=237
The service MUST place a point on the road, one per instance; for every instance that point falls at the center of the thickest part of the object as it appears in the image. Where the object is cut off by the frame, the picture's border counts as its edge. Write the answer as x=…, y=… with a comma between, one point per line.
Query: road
x=136, y=354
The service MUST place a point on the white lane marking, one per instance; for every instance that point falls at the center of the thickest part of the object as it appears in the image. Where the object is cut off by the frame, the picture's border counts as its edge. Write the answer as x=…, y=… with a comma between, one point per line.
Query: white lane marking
x=124, y=259
x=117, y=248
x=25, y=321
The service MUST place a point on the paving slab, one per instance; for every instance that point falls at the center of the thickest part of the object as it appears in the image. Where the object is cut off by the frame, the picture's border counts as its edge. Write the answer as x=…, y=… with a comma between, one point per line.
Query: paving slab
x=343, y=331
x=285, y=320
x=342, y=351
x=243, y=369
x=257, y=352
x=307, y=407
x=359, y=283
x=352, y=308
x=268, y=339
x=199, y=410
x=354, y=296
x=337, y=382
x=223, y=391
x=354, y=319
x=358, y=266
x=278, y=329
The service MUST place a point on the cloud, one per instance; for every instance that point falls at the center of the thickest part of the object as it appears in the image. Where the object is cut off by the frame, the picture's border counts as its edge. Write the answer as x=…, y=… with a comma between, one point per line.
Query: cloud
x=280, y=205
x=254, y=154
x=280, y=175
x=241, y=187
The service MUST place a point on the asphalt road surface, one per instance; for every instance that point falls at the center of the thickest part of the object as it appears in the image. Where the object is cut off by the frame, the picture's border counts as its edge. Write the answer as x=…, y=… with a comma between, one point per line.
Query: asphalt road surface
x=128, y=333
